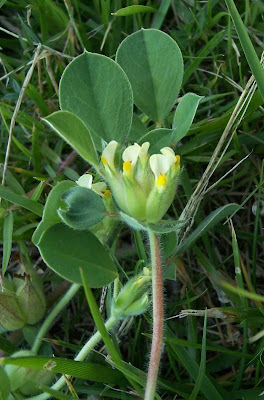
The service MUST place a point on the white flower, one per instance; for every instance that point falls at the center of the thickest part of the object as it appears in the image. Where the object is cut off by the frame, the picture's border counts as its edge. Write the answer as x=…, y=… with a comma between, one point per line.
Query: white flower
x=132, y=153
x=108, y=155
x=169, y=153
x=160, y=165
x=144, y=150
x=85, y=181
x=100, y=188
x=130, y=157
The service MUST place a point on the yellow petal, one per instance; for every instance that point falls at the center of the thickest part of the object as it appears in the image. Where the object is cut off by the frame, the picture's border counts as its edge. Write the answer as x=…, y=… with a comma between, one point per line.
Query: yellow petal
x=107, y=193
x=178, y=160
x=127, y=166
x=162, y=180
x=104, y=161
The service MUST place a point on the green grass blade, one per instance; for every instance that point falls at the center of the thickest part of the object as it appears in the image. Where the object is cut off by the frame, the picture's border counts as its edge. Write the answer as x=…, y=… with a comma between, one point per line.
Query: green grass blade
x=207, y=388
x=101, y=327
x=78, y=369
x=247, y=46
x=202, y=368
x=7, y=240
x=30, y=205
x=161, y=14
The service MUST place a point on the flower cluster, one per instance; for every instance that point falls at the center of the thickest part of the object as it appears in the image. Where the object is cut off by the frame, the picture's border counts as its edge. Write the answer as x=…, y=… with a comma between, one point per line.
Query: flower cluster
x=145, y=185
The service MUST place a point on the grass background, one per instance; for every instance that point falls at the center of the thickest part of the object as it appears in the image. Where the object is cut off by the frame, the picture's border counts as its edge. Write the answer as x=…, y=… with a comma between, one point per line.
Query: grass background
x=220, y=351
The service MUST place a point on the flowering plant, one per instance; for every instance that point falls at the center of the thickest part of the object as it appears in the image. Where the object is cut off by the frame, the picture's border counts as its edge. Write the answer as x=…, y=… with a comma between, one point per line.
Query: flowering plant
x=133, y=172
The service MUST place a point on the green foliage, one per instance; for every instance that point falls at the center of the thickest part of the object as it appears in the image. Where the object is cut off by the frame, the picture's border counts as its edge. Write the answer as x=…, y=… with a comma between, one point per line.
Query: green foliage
x=95, y=89
x=211, y=268
x=154, y=66
x=131, y=10
x=74, y=131
x=84, y=370
x=50, y=215
x=7, y=240
x=214, y=218
x=82, y=208
x=5, y=385
x=66, y=251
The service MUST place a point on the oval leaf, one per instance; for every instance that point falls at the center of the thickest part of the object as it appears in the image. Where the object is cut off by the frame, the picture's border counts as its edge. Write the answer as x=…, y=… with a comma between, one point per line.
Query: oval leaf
x=65, y=251
x=97, y=90
x=153, y=63
x=184, y=116
x=50, y=216
x=75, y=133
x=158, y=138
x=84, y=208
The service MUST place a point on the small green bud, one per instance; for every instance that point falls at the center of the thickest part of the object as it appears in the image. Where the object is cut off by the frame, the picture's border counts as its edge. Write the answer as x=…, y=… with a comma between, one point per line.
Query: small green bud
x=132, y=298
x=24, y=380
x=11, y=315
x=138, y=307
x=30, y=296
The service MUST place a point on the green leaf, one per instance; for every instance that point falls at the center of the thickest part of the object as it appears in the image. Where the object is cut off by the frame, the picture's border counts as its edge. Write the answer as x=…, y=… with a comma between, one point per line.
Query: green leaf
x=158, y=138
x=132, y=222
x=153, y=63
x=65, y=251
x=209, y=222
x=138, y=129
x=6, y=346
x=247, y=46
x=166, y=226
x=30, y=205
x=100, y=325
x=84, y=208
x=7, y=240
x=75, y=133
x=184, y=116
x=131, y=10
x=4, y=386
x=77, y=369
x=50, y=216
x=96, y=89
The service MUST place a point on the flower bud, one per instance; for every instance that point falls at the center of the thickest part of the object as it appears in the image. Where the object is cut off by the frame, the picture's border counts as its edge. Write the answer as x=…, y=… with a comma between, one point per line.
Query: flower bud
x=30, y=296
x=133, y=299
x=11, y=315
x=25, y=380
x=138, y=307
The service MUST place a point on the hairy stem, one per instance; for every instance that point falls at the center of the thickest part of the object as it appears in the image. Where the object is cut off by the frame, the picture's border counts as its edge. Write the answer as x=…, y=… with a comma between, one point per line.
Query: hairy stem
x=157, y=299
x=88, y=347
x=53, y=314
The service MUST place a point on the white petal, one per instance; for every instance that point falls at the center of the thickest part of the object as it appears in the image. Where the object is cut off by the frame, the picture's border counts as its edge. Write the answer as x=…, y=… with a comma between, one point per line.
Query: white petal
x=99, y=187
x=109, y=153
x=131, y=153
x=144, y=150
x=169, y=153
x=85, y=181
x=159, y=164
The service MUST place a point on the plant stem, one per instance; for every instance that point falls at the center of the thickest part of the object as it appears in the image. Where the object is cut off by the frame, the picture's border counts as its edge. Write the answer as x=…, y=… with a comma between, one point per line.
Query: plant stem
x=88, y=347
x=52, y=316
x=157, y=299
